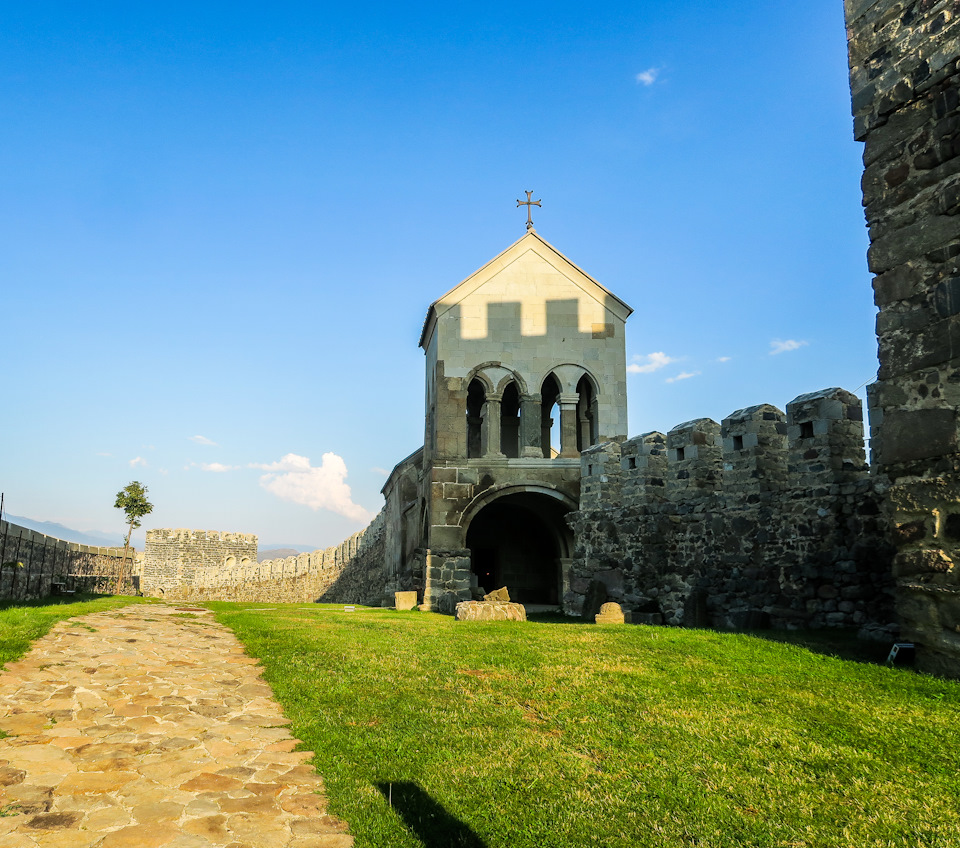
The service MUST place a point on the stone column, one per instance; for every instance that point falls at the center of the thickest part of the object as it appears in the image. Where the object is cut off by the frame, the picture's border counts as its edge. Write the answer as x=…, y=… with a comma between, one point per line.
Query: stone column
x=531, y=436
x=568, y=424
x=490, y=428
x=545, y=425
x=583, y=425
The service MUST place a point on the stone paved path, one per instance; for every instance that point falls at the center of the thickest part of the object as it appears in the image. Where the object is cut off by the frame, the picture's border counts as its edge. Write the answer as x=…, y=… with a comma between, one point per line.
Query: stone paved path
x=149, y=727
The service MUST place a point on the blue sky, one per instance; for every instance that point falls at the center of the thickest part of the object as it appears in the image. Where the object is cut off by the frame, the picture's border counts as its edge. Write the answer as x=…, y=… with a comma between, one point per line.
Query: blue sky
x=221, y=226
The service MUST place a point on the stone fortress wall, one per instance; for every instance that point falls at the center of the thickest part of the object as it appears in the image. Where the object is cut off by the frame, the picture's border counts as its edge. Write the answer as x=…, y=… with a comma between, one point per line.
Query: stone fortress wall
x=173, y=558
x=49, y=562
x=905, y=90
x=198, y=565
x=768, y=519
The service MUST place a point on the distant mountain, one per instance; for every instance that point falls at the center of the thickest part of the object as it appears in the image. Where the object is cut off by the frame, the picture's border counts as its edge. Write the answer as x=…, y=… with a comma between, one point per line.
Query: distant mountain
x=82, y=537
x=281, y=552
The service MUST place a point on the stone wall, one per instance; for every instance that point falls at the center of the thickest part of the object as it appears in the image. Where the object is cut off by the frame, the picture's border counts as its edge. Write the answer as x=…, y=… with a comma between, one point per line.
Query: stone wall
x=48, y=561
x=768, y=519
x=906, y=105
x=172, y=559
x=351, y=572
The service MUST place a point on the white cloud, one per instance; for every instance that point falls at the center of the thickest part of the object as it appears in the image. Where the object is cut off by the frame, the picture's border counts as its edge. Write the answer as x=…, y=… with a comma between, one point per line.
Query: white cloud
x=215, y=466
x=782, y=346
x=649, y=76
x=381, y=471
x=137, y=460
x=649, y=363
x=203, y=440
x=683, y=375
x=724, y=358
x=294, y=479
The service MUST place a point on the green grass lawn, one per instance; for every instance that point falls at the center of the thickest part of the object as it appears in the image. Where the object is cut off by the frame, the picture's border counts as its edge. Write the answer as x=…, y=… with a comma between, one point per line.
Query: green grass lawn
x=21, y=623
x=438, y=733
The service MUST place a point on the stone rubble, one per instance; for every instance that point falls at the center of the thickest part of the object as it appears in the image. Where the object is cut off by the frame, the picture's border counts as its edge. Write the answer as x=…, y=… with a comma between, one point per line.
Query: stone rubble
x=149, y=727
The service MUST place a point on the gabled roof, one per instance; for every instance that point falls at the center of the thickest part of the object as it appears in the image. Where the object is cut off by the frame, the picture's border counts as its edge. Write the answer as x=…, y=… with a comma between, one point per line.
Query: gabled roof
x=531, y=240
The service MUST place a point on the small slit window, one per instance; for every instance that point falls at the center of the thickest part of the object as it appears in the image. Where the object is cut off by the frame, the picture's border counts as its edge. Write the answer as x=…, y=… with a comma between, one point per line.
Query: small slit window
x=738, y=443
x=806, y=430
x=679, y=454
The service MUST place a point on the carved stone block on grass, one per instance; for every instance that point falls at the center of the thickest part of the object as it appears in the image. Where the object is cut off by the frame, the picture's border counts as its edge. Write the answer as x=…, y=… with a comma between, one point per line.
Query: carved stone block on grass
x=490, y=611
x=610, y=613
x=405, y=600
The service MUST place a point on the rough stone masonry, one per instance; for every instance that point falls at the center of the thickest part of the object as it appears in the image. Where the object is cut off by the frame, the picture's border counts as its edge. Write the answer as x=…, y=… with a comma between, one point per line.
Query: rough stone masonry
x=906, y=105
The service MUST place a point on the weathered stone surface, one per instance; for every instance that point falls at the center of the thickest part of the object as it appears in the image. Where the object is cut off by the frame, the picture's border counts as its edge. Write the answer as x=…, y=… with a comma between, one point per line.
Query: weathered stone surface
x=47, y=561
x=499, y=595
x=906, y=101
x=198, y=565
x=795, y=510
x=490, y=611
x=448, y=603
x=917, y=434
x=595, y=598
x=196, y=777
x=610, y=613
x=405, y=600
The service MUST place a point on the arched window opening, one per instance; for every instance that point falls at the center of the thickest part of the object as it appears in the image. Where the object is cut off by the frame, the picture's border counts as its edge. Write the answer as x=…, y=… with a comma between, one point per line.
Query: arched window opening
x=550, y=422
x=510, y=421
x=476, y=398
x=586, y=415
x=230, y=562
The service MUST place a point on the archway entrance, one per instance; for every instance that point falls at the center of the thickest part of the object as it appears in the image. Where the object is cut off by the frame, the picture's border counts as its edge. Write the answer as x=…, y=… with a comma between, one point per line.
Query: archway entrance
x=518, y=541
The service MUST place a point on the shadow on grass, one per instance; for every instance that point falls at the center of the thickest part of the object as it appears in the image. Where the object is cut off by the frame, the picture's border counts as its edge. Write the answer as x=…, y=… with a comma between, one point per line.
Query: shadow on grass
x=426, y=819
x=51, y=601
x=842, y=644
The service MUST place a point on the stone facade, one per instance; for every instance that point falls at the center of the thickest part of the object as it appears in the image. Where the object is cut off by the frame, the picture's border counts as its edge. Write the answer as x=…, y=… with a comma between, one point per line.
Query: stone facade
x=906, y=105
x=768, y=519
x=49, y=563
x=525, y=366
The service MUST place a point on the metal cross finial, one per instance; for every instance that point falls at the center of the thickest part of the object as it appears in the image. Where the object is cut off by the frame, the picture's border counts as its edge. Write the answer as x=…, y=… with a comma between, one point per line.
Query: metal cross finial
x=529, y=203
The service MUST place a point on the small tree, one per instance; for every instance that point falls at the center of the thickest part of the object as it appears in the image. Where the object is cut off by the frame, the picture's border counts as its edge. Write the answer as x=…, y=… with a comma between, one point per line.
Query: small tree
x=132, y=499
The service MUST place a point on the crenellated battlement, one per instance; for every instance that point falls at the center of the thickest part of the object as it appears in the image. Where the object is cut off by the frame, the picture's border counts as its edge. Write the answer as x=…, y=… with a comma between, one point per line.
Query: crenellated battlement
x=816, y=444
x=183, y=535
x=769, y=517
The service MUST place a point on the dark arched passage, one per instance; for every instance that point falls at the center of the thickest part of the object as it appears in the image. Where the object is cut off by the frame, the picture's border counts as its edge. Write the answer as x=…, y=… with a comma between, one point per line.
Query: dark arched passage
x=518, y=541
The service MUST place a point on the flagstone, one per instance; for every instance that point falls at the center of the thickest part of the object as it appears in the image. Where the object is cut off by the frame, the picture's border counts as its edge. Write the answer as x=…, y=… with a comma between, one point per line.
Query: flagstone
x=305, y=804
x=87, y=783
x=202, y=806
x=16, y=725
x=107, y=818
x=260, y=829
x=66, y=839
x=147, y=733
x=141, y=836
x=210, y=827
x=18, y=840
x=208, y=781
x=330, y=840
x=157, y=811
